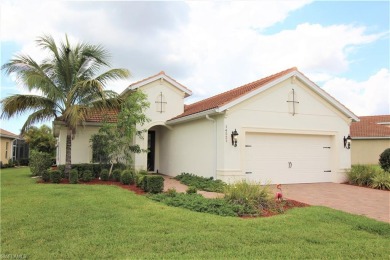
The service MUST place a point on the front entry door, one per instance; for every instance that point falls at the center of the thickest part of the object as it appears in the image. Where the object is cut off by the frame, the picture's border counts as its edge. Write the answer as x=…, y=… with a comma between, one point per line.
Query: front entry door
x=151, y=150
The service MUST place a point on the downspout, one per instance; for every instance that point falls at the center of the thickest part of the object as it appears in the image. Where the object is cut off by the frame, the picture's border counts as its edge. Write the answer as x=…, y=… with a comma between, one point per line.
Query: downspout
x=216, y=146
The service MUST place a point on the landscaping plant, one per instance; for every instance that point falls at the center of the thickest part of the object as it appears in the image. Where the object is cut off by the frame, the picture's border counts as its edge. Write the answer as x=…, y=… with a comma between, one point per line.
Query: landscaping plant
x=46, y=175
x=361, y=174
x=381, y=181
x=191, y=190
x=104, y=175
x=251, y=195
x=116, y=175
x=55, y=176
x=127, y=177
x=154, y=183
x=384, y=160
x=197, y=202
x=87, y=176
x=74, y=176
x=39, y=162
x=201, y=183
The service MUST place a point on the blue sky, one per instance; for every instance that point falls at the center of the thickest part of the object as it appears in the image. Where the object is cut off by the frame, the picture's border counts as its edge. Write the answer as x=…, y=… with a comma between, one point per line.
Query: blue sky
x=211, y=47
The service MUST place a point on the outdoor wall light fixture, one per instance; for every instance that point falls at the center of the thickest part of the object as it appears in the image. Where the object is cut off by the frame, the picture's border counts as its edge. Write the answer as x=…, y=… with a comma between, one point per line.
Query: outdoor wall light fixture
x=234, y=138
x=347, y=142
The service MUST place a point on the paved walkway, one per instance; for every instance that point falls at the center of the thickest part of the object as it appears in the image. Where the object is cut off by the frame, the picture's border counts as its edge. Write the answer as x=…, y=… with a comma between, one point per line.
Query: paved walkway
x=356, y=200
x=169, y=183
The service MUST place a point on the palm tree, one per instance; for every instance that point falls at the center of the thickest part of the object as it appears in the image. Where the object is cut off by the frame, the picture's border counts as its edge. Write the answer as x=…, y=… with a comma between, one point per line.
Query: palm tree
x=67, y=80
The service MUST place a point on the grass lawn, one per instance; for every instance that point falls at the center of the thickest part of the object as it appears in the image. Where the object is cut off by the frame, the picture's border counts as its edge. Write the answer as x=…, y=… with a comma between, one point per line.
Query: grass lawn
x=56, y=221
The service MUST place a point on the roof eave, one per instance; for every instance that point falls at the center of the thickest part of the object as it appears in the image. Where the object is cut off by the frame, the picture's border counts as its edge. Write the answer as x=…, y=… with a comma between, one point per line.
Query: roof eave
x=192, y=117
x=369, y=137
x=135, y=86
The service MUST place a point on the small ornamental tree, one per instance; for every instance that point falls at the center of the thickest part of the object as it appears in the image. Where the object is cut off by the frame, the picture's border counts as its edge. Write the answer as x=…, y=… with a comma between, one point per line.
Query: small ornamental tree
x=384, y=160
x=111, y=143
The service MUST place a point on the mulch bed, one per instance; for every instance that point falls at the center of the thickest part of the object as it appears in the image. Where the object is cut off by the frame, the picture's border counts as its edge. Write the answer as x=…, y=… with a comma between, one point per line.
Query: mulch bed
x=288, y=204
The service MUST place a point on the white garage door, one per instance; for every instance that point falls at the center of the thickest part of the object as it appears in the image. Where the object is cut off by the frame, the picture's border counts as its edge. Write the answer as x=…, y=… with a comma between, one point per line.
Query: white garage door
x=288, y=158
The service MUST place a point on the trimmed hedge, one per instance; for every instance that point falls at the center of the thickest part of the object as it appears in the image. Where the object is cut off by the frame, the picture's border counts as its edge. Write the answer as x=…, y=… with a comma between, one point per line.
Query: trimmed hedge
x=127, y=177
x=154, y=183
x=55, y=176
x=74, y=176
x=87, y=176
x=140, y=180
x=105, y=175
x=46, y=175
x=116, y=175
x=95, y=168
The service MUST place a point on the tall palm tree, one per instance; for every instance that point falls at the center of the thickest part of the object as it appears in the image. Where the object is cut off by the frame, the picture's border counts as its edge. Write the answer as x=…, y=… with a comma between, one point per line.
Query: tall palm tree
x=69, y=82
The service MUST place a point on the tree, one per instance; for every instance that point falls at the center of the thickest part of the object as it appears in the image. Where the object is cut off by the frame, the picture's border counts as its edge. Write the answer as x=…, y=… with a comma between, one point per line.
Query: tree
x=70, y=88
x=40, y=139
x=114, y=141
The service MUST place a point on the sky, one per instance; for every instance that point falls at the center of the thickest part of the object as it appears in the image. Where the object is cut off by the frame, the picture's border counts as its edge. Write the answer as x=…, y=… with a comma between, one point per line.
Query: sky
x=214, y=46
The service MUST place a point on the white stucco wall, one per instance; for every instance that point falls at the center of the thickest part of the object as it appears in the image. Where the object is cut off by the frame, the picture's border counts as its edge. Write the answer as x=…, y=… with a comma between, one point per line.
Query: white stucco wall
x=81, y=147
x=189, y=148
x=270, y=112
x=174, y=106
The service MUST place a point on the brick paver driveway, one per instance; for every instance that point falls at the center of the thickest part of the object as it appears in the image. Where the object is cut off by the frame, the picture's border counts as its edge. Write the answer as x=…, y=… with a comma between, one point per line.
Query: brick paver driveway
x=356, y=200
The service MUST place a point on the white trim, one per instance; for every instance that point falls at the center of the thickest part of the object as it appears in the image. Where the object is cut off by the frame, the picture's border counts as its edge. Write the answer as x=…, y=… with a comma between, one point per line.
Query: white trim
x=327, y=97
x=157, y=77
x=371, y=138
x=255, y=92
x=191, y=117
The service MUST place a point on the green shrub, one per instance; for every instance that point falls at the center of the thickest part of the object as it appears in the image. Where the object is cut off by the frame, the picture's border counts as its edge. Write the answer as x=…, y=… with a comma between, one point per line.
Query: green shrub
x=104, y=175
x=196, y=202
x=361, y=175
x=381, y=181
x=171, y=192
x=116, y=175
x=140, y=181
x=191, y=190
x=201, y=183
x=74, y=176
x=127, y=177
x=55, y=176
x=154, y=183
x=250, y=195
x=87, y=176
x=384, y=160
x=46, y=175
x=143, y=172
x=39, y=162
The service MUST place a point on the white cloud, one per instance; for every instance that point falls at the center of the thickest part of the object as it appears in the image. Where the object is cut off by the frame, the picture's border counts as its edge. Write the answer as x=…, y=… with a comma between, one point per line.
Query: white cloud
x=370, y=97
x=208, y=46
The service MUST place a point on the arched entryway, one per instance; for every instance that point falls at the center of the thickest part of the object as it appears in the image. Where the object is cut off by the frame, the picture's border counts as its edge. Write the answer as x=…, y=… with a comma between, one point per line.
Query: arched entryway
x=156, y=133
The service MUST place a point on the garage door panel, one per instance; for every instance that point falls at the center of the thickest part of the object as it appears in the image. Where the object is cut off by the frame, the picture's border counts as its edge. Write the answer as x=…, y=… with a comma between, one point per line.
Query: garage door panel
x=283, y=158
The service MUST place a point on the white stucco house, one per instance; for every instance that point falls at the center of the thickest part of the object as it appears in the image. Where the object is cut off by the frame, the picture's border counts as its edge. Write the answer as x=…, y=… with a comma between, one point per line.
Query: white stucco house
x=279, y=129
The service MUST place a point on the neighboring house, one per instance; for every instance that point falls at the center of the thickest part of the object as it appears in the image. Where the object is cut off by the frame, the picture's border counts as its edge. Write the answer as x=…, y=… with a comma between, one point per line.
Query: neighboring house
x=13, y=147
x=370, y=137
x=289, y=131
